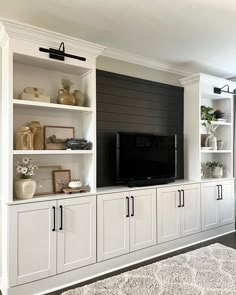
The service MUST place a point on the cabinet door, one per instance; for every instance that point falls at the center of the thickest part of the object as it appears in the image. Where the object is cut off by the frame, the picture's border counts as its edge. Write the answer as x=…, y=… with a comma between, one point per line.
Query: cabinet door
x=227, y=202
x=168, y=214
x=209, y=205
x=190, y=210
x=113, y=225
x=32, y=242
x=142, y=219
x=76, y=244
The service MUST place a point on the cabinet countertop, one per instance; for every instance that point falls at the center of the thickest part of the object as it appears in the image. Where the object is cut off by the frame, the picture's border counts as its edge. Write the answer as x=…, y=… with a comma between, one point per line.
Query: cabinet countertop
x=113, y=189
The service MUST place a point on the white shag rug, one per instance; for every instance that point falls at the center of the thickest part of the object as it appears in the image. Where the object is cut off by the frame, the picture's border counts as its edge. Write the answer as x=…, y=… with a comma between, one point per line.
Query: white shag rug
x=206, y=271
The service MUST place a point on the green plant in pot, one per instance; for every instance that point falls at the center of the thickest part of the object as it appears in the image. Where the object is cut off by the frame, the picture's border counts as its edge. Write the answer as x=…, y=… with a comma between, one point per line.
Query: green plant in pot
x=207, y=114
x=216, y=168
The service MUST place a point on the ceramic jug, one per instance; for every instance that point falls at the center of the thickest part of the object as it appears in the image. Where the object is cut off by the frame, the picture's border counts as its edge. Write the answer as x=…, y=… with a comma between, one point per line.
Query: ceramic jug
x=80, y=98
x=65, y=97
x=24, y=139
x=37, y=131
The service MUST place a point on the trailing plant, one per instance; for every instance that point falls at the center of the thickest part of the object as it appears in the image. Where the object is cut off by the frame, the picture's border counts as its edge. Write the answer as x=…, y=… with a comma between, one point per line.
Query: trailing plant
x=212, y=165
x=207, y=114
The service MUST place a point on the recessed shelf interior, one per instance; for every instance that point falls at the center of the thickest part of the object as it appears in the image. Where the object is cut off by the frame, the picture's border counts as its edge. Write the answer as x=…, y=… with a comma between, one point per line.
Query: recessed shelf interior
x=81, y=166
x=49, y=78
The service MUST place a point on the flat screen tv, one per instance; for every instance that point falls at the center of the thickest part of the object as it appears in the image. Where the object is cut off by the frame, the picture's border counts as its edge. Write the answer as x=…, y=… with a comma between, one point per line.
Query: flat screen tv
x=145, y=159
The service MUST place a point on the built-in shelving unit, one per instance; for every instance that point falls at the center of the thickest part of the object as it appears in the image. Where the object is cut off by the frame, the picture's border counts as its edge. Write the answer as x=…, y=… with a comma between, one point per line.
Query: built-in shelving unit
x=24, y=65
x=198, y=91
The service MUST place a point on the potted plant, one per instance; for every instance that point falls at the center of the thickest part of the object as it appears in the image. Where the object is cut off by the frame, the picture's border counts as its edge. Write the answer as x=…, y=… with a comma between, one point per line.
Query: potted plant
x=25, y=186
x=216, y=168
x=207, y=114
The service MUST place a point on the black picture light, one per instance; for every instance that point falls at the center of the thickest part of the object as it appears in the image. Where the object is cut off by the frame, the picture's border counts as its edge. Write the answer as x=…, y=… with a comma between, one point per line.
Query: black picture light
x=60, y=53
x=220, y=90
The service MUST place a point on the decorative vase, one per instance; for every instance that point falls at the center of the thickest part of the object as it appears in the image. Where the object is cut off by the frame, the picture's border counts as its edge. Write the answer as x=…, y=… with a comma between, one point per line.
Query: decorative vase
x=217, y=172
x=25, y=189
x=80, y=98
x=24, y=139
x=65, y=97
x=220, y=144
x=37, y=131
x=211, y=141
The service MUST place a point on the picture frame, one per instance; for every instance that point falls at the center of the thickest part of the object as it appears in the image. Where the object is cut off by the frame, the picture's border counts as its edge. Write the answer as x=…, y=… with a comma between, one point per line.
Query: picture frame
x=61, y=179
x=55, y=137
x=44, y=179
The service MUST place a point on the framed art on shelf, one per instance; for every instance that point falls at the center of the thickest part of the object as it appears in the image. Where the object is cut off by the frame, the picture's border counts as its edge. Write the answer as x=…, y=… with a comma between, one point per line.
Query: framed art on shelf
x=55, y=137
x=44, y=180
x=61, y=179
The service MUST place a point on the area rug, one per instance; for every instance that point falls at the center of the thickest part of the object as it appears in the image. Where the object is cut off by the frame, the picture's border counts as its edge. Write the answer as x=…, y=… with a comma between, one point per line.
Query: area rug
x=206, y=271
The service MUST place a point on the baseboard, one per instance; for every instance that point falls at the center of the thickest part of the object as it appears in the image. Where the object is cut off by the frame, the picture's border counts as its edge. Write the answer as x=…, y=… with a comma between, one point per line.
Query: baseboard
x=76, y=276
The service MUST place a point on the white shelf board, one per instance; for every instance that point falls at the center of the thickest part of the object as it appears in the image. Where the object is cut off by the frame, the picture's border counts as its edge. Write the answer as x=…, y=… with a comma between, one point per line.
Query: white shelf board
x=26, y=103
x=220, y=123
x=52, y=152
x=216, y=151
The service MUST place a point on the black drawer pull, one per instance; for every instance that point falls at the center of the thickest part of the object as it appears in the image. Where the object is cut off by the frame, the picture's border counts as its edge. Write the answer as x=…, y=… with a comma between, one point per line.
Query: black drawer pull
x=218, y=192
x=127, y=198
x=183, y=198
x=54, y=218
x=179, y=191
x=132, y=198
x=61, y=209
x=221, y=192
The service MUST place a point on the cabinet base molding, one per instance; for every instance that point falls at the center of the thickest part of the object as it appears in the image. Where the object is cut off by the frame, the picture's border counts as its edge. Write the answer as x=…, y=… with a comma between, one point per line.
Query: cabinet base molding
x=95, y=270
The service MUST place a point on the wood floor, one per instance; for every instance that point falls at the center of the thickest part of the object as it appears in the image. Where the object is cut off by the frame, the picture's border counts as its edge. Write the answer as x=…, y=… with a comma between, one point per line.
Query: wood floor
x=227, y=240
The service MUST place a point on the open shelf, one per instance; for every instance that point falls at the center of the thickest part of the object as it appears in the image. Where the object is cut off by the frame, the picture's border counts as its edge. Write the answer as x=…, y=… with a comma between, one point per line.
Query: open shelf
x=220, y=123
x=52, y=152
x=216, y=151
x=26, y=103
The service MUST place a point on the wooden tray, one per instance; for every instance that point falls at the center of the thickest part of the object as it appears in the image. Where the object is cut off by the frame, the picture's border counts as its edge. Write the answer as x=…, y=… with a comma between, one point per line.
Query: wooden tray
x=82, y=189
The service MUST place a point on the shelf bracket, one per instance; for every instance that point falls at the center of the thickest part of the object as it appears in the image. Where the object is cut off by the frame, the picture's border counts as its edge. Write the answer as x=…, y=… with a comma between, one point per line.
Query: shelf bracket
x=60, y=53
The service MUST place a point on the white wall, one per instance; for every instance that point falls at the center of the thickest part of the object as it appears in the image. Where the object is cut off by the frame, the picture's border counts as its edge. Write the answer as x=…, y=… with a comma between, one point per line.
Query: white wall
x=133, y=70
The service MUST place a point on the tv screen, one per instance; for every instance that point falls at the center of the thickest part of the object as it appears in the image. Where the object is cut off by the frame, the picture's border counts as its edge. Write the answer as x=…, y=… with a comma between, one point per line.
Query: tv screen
x=145, y=156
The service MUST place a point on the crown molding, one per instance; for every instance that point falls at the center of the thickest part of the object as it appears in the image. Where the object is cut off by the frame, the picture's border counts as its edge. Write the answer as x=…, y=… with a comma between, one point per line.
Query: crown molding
x=18, y=30
x=208, y=79
x=3, y=36
x=144, y=61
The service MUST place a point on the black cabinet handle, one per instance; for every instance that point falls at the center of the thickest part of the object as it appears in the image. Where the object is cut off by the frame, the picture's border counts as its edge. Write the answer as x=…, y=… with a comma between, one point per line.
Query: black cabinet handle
x=61, y=209
x=54, y=218
x=183, y=197
x=221, y=192
x=179, y=198
x=127, y=198
x=132, y=198
x=218, y=192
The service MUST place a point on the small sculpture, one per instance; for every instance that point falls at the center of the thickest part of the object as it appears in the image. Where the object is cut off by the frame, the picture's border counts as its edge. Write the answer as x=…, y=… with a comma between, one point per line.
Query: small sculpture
x=78, y=144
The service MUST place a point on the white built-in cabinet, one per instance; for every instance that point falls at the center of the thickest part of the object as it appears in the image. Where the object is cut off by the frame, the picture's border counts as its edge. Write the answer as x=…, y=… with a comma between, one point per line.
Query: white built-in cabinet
x=126, y=222
x=178, y=212
x=217, y=203
x=32, y=254
x=51, y=237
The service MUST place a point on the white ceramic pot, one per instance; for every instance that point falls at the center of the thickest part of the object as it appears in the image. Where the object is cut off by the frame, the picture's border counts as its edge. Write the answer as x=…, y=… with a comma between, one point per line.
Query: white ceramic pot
x=217, y=172
x=25, y=189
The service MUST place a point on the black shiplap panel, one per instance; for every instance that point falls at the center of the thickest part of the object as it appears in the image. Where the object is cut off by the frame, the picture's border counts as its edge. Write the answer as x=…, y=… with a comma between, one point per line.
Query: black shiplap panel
x=134, y=105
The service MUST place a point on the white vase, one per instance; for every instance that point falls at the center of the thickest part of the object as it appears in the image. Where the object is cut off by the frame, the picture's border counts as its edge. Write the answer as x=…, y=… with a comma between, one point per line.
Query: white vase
x=25, y=189
x=217, y=172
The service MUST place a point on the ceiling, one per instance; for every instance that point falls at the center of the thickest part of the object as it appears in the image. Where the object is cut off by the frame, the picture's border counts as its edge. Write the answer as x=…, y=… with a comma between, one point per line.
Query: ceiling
x=194, y=35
